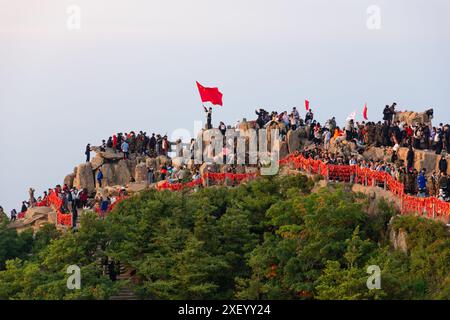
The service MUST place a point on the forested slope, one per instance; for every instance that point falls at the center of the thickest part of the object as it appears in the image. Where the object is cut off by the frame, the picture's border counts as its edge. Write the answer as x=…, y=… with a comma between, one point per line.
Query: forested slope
x=272, y=238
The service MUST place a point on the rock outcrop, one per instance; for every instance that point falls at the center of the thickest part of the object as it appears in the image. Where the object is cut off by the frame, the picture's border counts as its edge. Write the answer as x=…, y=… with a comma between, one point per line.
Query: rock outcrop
x=35, y=218
x=411, y=118
x=140, y=172
x=69, y=179
x=294, y=139
x=122, y=174
x=85, y=177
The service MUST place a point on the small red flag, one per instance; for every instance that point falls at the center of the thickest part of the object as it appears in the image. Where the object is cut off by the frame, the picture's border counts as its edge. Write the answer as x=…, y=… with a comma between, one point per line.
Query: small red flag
x=307, y=105
x=365, y=112
x=212, y=95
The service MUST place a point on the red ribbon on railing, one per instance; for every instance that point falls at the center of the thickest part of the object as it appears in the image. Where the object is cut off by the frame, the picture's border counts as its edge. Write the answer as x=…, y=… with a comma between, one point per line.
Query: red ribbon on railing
x=62, y=218
x=432, y=206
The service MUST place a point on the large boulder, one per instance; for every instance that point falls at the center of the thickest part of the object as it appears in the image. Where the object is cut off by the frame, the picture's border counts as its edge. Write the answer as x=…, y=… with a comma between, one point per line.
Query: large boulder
x=245, y=125
x=140, y=172
x=426, y=160
x=108, y=175
x=422, y=159
x=131, y=163
x=34, y=211
x=97, y=161
x=135, y=187
x=375, y=154
x=84, y=177
x=411, y=118
x=109, y=154
x=272, y=126
x=283, y=150
x=122, y=175
x=68, y=180
x=294, y=139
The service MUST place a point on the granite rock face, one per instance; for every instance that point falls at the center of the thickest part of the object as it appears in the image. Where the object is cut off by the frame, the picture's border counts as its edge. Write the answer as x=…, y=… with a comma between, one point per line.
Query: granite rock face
x=85, y=177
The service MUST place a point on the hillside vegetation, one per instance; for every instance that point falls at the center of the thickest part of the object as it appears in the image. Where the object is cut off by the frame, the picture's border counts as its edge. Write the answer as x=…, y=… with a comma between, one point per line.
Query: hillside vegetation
x=269, y=239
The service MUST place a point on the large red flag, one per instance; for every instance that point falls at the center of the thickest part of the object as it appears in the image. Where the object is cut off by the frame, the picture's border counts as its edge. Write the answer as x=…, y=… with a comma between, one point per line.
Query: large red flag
x=365, y=112
x=307, y=105
x=212, y=95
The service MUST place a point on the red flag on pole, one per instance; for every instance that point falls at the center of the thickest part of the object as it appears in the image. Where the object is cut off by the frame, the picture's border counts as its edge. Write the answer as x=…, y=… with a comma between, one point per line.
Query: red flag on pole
x=212, y=95
x=307, y=105
x=365, y=112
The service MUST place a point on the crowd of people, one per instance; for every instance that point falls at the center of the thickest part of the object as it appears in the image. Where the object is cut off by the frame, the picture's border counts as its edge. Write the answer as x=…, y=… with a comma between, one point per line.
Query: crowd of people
x=132, y=143
x=386, y=133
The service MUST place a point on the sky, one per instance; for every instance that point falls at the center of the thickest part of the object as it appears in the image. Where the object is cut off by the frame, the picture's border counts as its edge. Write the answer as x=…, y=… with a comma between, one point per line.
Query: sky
x=75, y=72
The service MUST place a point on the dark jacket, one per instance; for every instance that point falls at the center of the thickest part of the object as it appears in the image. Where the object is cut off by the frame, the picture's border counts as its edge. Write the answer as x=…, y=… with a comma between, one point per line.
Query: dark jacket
x=443, y=165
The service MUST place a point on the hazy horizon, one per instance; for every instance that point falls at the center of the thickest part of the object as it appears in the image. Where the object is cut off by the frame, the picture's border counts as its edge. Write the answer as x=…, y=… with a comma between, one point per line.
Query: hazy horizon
x=133, y=65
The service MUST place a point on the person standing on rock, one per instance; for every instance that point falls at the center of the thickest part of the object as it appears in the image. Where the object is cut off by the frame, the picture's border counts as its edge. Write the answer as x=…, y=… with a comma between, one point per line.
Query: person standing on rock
x=410, y=158
x=152, y=144
x=99, y=177
x=208, y=117
x=158, y=144
x=150, y=175
x=309, y=117
x=443, y=166
x=32, y=201
x=88, y=152
x=165, y=146
x=13, y=215
x=114, y=142
x=125, y=149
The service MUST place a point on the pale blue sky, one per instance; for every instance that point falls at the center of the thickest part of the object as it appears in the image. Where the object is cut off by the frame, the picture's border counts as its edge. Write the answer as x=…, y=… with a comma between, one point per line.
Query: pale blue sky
x=133, y=65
